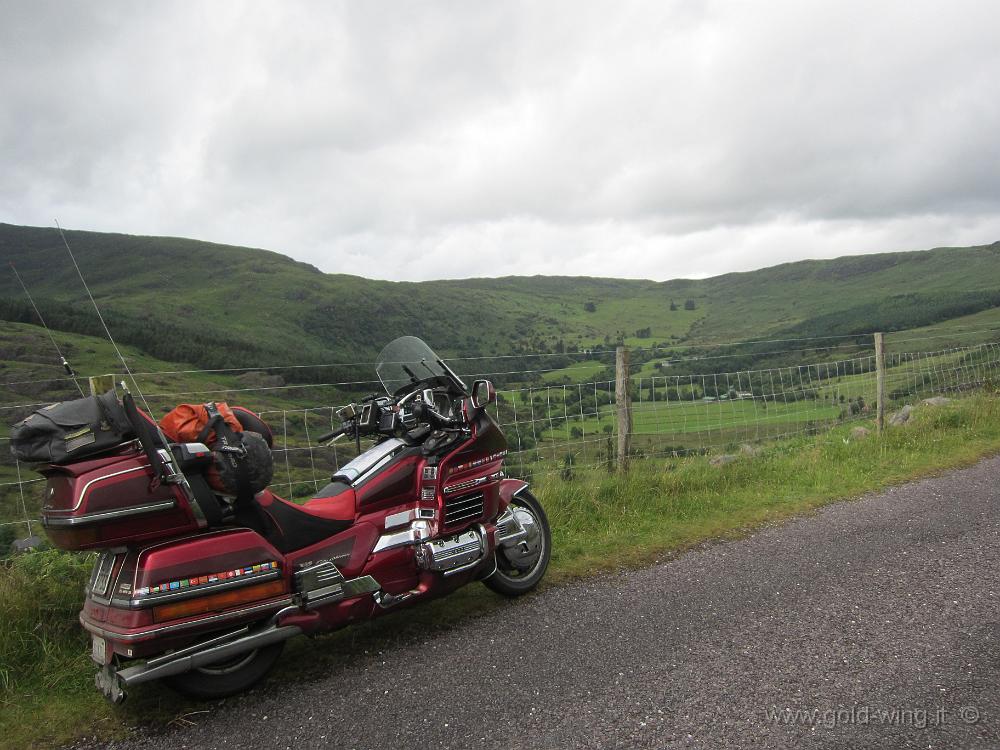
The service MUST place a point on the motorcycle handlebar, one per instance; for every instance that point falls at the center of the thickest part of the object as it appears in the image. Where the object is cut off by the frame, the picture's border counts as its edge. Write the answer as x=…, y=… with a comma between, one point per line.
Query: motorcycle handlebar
x=433, y=416
x=330, y=435
x=424, y=412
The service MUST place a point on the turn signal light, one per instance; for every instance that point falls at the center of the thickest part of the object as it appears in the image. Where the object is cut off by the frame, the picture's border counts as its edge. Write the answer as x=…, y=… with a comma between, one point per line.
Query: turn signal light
x=220, y=601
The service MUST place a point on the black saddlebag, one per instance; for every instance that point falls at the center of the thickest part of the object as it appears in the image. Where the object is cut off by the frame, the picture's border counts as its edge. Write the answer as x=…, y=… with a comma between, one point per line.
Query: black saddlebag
x=71, y=430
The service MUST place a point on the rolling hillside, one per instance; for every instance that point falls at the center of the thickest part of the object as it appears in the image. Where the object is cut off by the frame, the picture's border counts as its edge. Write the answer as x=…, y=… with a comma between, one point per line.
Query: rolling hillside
x=214, y=305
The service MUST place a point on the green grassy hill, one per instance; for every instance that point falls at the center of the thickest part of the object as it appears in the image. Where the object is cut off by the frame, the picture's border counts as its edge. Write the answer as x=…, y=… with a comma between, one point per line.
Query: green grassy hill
x=216, y=305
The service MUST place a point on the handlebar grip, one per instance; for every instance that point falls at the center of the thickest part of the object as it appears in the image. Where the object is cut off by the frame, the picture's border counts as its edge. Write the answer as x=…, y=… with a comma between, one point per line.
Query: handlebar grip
x=330, y=435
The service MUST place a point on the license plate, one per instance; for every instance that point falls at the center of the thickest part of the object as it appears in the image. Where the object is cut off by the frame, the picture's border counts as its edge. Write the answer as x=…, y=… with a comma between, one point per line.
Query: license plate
x=99, y=650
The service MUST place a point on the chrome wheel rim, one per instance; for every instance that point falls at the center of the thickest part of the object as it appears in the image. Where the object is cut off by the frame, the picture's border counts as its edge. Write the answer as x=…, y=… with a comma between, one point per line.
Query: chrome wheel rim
x=523, y=558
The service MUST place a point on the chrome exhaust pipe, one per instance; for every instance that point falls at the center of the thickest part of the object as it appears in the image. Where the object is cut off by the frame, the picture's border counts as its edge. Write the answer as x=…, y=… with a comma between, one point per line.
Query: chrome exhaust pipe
x=205, y=653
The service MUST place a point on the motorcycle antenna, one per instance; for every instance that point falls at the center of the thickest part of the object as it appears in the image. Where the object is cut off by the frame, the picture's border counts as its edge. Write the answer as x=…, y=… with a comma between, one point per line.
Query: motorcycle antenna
x=101, y=318
x=62, y=359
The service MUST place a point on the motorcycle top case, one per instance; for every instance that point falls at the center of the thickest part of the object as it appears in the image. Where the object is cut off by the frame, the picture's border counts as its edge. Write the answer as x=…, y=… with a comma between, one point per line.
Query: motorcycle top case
x=112, y=500
x=71, y=430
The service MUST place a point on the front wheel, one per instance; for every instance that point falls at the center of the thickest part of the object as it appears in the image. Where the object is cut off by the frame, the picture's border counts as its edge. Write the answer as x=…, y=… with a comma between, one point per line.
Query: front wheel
x=227, y=677
x=521, y=566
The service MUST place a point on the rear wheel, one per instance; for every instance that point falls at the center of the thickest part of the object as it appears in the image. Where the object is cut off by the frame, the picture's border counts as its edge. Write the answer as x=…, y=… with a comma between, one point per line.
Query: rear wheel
x=227, y=677
x=521, y=566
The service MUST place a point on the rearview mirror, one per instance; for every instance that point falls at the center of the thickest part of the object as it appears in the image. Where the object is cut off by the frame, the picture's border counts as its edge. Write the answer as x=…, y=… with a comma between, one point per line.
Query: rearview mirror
x=483, y=393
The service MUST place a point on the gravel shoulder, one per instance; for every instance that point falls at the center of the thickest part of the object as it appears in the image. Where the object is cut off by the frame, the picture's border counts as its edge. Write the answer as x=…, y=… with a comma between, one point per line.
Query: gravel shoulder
x=873, y=623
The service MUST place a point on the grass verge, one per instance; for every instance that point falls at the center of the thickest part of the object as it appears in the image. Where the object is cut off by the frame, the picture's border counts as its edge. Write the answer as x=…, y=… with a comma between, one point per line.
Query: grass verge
x=599, y=522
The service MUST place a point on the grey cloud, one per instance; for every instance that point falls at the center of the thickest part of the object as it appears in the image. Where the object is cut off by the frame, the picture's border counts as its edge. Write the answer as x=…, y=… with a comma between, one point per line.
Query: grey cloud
x=405, y=140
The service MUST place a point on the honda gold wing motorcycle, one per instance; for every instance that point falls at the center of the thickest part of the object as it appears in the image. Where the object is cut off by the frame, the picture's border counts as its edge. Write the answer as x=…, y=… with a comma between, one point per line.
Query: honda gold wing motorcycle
x=202, y=592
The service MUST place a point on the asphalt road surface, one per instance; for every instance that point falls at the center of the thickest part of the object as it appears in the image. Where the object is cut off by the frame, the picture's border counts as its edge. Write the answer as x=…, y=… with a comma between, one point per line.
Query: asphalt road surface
x=873, y=623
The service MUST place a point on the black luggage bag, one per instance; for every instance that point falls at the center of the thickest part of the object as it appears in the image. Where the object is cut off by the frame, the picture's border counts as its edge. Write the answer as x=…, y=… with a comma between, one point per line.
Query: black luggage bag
x=71, y=430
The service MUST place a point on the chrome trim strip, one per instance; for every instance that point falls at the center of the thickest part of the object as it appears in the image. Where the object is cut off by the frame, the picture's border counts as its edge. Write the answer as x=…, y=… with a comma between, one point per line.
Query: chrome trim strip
x=86, y=488
x=107, y=515
x=459, y=486
x=151, y=600
x=416, y=533
x=221, y=617
x=405, y=516
x=398, y=519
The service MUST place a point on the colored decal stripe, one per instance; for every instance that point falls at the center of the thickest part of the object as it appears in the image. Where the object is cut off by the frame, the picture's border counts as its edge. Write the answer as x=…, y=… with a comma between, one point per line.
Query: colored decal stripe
x=192, y=582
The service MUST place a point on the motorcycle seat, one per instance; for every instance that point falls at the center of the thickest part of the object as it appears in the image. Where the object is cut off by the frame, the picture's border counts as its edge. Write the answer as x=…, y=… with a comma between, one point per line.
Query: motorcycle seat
x=335, y=501
x=298, y=526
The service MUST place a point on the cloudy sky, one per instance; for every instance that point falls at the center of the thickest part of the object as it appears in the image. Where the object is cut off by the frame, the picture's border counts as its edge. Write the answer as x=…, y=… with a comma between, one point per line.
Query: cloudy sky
x=444, y=140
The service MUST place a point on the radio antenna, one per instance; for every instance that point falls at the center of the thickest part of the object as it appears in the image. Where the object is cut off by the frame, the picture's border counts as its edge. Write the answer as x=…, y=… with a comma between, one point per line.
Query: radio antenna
x=62, y=359
x=101, y=318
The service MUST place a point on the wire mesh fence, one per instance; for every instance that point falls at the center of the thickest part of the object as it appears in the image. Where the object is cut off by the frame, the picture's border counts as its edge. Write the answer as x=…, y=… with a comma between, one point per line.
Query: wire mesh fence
x=552, y=425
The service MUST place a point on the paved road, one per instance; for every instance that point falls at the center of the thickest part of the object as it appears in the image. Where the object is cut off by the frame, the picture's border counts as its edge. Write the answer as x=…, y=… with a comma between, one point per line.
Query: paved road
x=885, y=608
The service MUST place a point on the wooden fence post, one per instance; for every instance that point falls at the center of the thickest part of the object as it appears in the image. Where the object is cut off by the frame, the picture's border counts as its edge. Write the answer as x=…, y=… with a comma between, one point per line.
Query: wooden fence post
x=101, y=384
x=879, y=382
x=623, y=402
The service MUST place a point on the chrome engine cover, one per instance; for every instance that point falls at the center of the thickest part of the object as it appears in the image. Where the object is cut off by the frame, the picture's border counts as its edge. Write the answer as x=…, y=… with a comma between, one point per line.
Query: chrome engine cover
x=452, y=553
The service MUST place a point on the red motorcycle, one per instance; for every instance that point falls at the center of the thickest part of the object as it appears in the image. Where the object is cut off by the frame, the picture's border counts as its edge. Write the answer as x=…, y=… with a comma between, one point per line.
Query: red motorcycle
x=202, y=590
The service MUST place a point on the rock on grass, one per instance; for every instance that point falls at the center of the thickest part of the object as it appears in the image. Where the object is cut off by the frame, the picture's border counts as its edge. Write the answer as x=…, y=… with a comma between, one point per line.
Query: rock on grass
x=901, y=417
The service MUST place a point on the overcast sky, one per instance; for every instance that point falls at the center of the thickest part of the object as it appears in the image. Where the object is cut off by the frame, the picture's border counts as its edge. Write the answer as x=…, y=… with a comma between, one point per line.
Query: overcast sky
x=445, y=140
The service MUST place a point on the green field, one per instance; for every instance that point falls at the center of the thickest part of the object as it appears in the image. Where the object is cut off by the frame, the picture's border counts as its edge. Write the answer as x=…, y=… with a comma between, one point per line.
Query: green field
x=578, y=372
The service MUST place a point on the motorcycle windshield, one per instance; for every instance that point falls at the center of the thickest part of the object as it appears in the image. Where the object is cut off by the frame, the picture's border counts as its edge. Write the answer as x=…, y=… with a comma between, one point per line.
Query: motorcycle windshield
x=406, y=362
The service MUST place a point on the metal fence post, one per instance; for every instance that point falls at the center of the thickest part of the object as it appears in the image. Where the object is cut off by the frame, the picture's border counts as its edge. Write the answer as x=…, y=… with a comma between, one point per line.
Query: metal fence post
x=623, y=402
x=879, y=382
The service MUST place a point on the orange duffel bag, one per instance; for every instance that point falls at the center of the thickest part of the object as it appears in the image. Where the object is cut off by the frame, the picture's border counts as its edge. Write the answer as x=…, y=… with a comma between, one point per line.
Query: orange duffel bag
x=189, y=423
x=242, y=464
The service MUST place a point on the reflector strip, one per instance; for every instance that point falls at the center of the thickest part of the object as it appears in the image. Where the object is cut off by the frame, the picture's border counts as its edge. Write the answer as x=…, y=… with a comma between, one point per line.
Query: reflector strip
x=220, y=601
x=195, y=581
